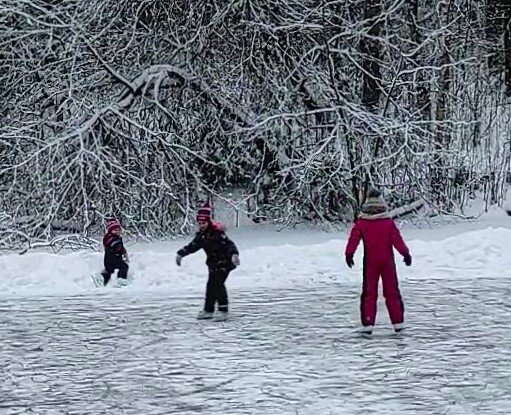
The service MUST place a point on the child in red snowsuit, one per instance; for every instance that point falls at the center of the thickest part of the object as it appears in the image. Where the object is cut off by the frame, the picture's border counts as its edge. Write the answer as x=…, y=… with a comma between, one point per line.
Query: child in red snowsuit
x=380, y=235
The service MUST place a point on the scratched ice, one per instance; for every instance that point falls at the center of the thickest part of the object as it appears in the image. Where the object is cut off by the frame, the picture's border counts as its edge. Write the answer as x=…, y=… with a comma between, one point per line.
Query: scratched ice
x=287, y=351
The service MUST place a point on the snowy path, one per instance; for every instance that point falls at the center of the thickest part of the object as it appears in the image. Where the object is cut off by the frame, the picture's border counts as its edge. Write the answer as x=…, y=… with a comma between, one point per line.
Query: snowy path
x=283, y=352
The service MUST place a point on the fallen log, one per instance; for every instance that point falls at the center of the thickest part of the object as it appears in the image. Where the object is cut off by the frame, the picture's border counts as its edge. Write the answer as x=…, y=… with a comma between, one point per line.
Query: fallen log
x=403, y=210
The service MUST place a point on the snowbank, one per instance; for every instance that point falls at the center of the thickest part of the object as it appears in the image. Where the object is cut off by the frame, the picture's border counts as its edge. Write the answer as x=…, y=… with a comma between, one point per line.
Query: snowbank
x=480, y=253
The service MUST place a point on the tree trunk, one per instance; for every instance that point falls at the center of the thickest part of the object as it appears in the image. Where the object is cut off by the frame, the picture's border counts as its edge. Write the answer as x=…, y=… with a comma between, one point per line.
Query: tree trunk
x=507, y=50
x=498, y=33
x=442, y=133
x=371, y=50
x=422, y=93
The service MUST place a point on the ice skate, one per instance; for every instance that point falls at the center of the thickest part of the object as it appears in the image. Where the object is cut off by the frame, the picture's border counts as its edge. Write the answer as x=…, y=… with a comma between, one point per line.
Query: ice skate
x=366, y=330
x=399, y=327
x=204, y=315
x=221, y=316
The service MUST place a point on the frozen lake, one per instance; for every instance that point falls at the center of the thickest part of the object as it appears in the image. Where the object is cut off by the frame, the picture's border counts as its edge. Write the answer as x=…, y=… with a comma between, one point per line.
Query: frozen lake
x=284, y=351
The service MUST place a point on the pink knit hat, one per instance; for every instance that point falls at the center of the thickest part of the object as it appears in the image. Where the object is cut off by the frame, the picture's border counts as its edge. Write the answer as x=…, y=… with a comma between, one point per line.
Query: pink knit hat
x=113, y=225
x=204, y=213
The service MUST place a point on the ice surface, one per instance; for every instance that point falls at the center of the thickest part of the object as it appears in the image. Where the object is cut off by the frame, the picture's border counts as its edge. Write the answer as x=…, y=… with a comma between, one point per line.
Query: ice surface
x=290, y=346
x=291, y=351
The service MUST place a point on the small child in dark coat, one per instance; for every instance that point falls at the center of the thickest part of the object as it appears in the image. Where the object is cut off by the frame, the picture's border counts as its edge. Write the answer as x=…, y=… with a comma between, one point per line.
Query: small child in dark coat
x=116, y=256
x=222, y=257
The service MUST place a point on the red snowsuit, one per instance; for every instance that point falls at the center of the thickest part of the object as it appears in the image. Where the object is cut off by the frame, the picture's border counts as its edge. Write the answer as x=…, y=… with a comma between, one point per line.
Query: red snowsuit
x=379, y=234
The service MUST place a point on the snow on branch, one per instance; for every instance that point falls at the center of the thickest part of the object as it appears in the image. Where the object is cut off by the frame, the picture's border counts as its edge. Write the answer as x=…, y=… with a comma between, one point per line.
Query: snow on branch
x=128, y=108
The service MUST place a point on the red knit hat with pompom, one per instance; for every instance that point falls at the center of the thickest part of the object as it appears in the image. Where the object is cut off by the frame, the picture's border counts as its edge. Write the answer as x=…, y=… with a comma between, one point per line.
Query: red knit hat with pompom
x=204, y=213
x=113, y=225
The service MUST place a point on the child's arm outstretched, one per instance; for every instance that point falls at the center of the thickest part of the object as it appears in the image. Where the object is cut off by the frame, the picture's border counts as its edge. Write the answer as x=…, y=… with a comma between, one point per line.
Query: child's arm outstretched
x=191, y=248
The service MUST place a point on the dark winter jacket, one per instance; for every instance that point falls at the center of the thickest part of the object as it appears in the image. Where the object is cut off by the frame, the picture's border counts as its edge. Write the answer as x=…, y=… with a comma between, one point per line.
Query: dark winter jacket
x=218, y=247
x=114, y=248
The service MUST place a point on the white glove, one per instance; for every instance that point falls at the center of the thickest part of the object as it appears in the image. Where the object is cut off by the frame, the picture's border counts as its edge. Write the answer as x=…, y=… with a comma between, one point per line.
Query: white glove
x=178, y=260
x=235, y=259
x=126, y=258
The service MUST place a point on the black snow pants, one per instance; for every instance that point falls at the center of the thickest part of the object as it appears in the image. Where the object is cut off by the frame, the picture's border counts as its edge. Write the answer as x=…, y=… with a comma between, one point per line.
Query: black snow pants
x=112, y=263
x=216, y=291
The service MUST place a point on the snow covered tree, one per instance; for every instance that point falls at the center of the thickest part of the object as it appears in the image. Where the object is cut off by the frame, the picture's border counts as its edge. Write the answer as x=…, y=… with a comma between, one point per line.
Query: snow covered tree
x=144, y=108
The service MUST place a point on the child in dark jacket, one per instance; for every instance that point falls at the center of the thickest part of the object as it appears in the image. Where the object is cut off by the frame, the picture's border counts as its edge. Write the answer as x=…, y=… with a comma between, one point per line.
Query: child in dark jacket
x=379, y=235
x=222, y=257
x=116, y=256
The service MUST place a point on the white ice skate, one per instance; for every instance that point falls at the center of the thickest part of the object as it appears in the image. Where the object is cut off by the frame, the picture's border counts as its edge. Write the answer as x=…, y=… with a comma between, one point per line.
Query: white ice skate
x=204, y=315
x=221, y=316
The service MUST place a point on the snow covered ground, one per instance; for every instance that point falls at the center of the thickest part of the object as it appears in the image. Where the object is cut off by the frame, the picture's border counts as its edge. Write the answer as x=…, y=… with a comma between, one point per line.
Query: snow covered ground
x=269, y=260
x=290, y=346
